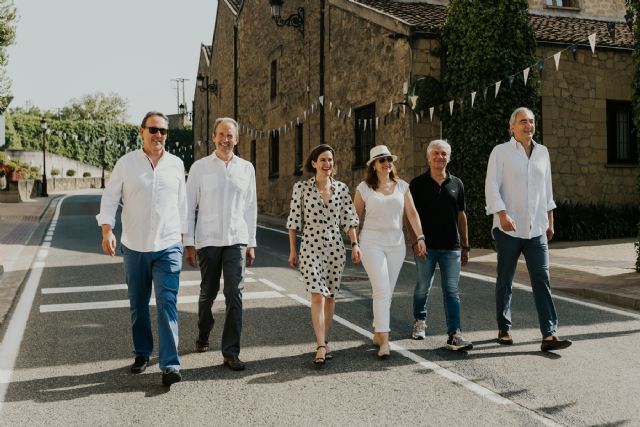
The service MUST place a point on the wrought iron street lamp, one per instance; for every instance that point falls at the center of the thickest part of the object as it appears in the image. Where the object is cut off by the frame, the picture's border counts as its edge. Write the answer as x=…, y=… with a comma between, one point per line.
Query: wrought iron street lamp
x=295, y=20
x=43, y=126
x=203, y=84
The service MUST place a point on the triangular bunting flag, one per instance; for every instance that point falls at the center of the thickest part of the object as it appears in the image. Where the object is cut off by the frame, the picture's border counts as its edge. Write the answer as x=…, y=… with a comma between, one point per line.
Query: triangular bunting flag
x=431, y=113
x=451, y=107
x=497, y=89
x=473, y=98
x=377, y=122
x=417, y=118
x=312, y=107
x=484, y=93
x=365, y=124
x=556, y=58
x=349, y=115
x=321, y=99
x=330, y=105
x=404, y=108
x=525, y=74
x=414, y=101
x=592, y=42
x=391, y=107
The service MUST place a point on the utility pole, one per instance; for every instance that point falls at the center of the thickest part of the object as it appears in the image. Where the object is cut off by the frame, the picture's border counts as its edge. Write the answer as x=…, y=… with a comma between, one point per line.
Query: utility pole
x=182, y=105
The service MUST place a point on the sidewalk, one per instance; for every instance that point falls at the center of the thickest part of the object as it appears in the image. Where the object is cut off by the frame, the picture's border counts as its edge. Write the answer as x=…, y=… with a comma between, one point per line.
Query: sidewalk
x=601, y=270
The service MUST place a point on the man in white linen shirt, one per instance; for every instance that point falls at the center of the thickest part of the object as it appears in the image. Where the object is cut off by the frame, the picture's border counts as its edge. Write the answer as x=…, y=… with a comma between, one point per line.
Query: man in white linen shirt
x=222, y=189
x=519, y=196
x=151, y=185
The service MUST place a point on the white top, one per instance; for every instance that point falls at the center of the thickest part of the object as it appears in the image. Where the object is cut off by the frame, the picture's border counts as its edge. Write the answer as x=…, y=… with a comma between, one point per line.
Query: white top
x=154, y=202
x=521, y=186
x=225, y=198
x=382, y=223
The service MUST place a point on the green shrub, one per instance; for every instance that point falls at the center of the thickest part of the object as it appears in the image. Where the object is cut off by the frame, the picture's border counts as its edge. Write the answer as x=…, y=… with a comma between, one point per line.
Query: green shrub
x=55, y=172
x=593, y=221
x=71, y=172
x=86, y=174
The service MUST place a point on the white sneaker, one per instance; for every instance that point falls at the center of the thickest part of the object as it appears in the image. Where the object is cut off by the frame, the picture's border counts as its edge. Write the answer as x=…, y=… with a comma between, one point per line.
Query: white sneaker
x=418, y=330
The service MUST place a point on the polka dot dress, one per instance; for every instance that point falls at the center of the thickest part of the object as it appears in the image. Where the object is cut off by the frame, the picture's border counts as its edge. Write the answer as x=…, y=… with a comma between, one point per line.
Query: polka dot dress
x=322, y=254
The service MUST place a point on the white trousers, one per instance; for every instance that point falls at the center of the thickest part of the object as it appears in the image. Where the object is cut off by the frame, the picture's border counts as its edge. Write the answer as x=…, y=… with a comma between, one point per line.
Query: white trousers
x=383, y=266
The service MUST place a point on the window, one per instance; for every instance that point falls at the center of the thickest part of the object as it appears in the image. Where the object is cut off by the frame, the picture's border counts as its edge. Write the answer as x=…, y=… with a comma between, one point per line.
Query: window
x=563, y=3
x=298, y=150
x=253, y=153
x=622, y=147
x=365, y=134
x=274, y=80
x=274, y=154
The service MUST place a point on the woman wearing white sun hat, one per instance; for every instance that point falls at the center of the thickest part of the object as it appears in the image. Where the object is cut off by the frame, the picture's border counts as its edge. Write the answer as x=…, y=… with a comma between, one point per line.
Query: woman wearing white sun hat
x=381, y=200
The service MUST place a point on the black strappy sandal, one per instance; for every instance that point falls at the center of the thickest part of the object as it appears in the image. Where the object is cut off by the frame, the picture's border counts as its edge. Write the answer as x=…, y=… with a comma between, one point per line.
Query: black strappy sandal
x=329, y=354
x=319, y=361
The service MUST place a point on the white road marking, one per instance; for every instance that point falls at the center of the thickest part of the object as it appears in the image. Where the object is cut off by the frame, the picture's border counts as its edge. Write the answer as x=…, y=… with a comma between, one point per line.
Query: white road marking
x=187, y=299
x=117, y=287
x=437, y=369
x=17, y=324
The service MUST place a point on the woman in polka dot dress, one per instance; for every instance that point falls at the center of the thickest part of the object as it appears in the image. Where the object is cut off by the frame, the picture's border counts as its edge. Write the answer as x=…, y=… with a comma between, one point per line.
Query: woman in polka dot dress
x=381, y=200
x=320, y=208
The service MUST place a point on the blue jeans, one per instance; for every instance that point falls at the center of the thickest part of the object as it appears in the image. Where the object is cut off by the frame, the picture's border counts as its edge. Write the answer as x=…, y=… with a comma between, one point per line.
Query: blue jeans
x=536, y=254
x=449, y=262
x=163, y=269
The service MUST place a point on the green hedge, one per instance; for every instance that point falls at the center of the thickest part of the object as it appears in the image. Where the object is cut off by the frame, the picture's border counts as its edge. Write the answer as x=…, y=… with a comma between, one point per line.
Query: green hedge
x=593, y=221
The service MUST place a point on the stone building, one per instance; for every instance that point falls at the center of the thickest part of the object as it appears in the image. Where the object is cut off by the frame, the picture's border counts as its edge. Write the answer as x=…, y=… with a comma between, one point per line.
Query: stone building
x=290, y=89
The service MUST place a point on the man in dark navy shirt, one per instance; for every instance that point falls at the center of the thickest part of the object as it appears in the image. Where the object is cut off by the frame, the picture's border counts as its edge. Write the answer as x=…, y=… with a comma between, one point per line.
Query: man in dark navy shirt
x=439, y=199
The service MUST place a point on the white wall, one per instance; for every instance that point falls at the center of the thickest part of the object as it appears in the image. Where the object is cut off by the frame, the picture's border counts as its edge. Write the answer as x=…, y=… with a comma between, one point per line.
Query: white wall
x=34, y=158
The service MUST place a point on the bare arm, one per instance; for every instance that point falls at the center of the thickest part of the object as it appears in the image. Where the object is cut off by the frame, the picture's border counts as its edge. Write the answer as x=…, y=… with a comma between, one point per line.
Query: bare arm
x=464, y=236
x=414, y=219
x=355, y=246
x=293, y=255
x=550, y=229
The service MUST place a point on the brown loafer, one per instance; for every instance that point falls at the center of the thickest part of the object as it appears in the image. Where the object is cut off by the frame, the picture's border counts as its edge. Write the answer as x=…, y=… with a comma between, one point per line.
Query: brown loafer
x=505, y=338
x=553, y=343
x=234, y=363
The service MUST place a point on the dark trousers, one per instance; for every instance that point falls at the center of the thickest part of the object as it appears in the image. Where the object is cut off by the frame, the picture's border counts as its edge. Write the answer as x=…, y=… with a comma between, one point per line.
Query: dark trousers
x=228, y=261
x=536, y=254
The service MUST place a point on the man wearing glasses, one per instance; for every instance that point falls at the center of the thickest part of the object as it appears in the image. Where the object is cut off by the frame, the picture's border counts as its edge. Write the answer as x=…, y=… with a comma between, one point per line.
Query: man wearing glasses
x=150, y=184
x=222, y=189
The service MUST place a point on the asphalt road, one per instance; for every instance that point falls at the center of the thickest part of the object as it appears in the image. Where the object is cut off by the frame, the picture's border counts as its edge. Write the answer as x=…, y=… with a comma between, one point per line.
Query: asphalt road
x=67, y=350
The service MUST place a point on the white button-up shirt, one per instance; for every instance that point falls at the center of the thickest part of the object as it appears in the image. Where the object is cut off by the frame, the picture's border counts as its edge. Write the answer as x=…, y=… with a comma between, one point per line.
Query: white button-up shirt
x=154, y=202
x=521, y=186
x=225, y=200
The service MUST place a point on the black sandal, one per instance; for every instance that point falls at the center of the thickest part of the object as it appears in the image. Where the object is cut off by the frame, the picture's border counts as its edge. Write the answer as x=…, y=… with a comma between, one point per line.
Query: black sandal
x=319, y=361
x=329, y=354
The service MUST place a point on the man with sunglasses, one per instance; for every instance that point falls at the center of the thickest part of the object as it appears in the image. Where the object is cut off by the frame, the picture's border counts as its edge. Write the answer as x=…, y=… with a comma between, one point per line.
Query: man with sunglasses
x=222, y=190
x=150, y=184
x=439, y=200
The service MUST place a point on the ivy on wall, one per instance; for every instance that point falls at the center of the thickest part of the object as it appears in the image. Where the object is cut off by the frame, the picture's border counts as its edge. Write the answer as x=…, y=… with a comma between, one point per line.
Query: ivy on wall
x=481, y=48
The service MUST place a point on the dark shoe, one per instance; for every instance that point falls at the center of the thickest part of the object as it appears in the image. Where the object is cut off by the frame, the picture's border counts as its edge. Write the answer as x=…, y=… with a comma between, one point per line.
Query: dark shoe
x=171, y=376
x=554, y=344
x=329, y=354
x=234, y=363
x=139, y=365
x=457, y=343
x=202, y=343
x=504, y=337
x=320, y=360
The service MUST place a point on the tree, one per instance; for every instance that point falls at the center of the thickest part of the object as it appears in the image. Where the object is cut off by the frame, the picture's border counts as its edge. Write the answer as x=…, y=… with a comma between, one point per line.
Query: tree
x=99, y=106
x=633, y=9
x=485, y=42
x=7, y=38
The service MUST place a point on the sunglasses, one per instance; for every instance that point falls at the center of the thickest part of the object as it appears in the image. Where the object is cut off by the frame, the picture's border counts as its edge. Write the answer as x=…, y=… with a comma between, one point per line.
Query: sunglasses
x=385, y=159
x=153, y=130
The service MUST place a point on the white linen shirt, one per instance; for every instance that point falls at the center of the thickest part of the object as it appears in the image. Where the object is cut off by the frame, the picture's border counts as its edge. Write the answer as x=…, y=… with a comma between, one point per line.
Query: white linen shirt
x=521, y=186
x=225, y=198
x=154, y=201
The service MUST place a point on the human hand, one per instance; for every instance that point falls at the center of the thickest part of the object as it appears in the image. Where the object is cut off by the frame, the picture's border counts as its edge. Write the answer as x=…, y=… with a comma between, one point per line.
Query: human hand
x=191, y=256
x=420, y=249
x=356, y=254
x=251, y=256
x=506, y=222
x=464, y=257
x=293, y=259
x=109, y=243
x=550, y=233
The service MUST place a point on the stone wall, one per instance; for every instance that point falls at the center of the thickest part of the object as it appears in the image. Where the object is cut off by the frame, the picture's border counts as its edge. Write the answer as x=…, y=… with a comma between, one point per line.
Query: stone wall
x=593, y=8
x=54, y=161
x=574, y=124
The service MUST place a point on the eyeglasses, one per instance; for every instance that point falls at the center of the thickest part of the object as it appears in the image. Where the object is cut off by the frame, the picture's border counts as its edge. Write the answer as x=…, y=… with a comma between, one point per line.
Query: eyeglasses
x=385, y=159
x=153, y=130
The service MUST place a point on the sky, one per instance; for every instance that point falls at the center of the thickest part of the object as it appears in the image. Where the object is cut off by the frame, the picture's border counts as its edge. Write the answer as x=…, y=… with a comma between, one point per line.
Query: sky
x=69, y=48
